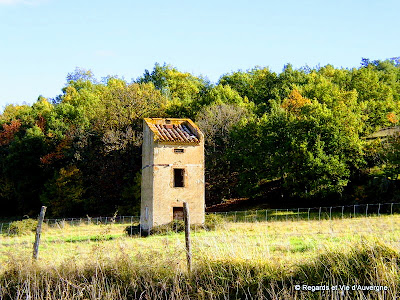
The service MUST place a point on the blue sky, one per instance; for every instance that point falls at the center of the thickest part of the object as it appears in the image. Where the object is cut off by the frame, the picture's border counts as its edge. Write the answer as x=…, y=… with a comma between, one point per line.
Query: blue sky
x=41, y=41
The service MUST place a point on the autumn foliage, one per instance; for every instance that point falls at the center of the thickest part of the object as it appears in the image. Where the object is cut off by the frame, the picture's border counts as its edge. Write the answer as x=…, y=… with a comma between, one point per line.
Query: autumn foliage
x=9, y=131
x=297, y=138
x=392, y=118
x=295, y=102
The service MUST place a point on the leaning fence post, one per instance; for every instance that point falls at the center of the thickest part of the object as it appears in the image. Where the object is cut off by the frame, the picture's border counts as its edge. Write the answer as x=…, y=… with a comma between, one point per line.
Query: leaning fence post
x=38, y=232
x=187, y=236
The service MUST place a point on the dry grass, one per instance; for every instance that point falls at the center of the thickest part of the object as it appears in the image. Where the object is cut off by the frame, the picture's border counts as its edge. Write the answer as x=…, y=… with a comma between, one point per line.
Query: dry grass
x=238, y=260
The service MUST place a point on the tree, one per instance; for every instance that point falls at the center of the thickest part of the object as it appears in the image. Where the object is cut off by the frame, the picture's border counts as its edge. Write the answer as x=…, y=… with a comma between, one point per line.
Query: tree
x=216, y=122
x=258, y=85
x=295, y=102
x=21, y=161
x=392, y=157
x=63, y=194
x=307, y=151
x=183, y=90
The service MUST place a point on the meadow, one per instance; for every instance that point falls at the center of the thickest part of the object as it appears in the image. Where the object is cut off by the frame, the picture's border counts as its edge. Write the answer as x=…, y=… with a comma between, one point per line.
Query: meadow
x=248, y=259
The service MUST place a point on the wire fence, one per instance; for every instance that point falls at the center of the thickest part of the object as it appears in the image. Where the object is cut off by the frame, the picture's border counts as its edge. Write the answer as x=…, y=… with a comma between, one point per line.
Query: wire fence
x=266, y=233
x=313, y=213
x=267, y=215
x=6, y=228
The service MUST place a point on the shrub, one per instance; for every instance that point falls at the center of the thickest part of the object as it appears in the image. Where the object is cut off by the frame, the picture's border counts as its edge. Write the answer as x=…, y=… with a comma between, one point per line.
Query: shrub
x=213, y=221
x=23, y=227
x=132, y=230
x=174, y=226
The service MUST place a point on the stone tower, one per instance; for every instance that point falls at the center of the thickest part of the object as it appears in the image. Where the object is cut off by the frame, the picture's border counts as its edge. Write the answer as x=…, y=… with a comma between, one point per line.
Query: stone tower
x=172, y=171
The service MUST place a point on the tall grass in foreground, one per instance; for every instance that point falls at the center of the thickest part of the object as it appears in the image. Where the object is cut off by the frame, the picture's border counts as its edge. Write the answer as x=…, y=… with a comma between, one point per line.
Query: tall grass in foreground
x=364, y=264
x=236, y=261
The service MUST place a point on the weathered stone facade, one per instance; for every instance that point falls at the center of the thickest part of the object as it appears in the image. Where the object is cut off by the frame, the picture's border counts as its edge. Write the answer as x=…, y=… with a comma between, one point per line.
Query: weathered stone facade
x=172, y=171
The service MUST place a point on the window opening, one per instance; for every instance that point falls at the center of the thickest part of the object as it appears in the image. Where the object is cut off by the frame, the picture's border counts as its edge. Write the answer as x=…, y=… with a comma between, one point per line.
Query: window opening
x=179, y=177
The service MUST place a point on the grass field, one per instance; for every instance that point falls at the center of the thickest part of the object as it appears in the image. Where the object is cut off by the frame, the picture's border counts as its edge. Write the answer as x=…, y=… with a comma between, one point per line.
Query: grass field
x=260, y=260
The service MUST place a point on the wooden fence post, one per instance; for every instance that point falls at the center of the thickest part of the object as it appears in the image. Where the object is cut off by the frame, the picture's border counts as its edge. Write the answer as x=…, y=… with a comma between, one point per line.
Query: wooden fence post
x=187, y=236
x=38, y=232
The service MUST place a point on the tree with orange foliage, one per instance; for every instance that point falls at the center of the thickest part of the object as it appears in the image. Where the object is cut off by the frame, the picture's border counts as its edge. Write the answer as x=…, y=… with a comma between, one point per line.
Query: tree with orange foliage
x=295, y=102
x=9, y=131
x=392, y=118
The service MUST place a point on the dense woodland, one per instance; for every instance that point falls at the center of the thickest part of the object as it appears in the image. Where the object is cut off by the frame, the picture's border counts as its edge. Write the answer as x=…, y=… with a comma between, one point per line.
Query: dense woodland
x=296, y=138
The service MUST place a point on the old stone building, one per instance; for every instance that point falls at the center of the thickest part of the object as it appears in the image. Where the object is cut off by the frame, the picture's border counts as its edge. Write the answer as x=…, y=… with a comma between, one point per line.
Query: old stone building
x=172, y=171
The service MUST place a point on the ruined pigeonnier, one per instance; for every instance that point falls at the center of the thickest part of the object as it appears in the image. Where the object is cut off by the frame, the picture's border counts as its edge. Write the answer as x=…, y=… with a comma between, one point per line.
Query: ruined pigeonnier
x=172, y=171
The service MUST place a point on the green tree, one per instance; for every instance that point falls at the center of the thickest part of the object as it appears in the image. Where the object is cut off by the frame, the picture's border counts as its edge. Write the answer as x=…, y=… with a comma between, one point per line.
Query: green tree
x=392, y=157
x=258, y=85
x=63, y=194
x=183, y=90
x=307, y=152
x=22, y=169
x=217, y=122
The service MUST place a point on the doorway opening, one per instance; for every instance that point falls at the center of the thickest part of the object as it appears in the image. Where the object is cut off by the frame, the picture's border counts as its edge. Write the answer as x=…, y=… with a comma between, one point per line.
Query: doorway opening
x=178, y=213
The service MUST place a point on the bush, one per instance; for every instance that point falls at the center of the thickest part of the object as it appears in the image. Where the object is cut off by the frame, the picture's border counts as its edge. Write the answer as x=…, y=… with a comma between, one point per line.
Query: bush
x=132, y=230
x=174, y=226
x=213, y=221
x=23, y=227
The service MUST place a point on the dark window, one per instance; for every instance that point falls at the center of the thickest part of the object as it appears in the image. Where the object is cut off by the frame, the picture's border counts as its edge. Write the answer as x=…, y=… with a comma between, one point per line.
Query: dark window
x=179, y=150
x=178, y=213
x=179, y=177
